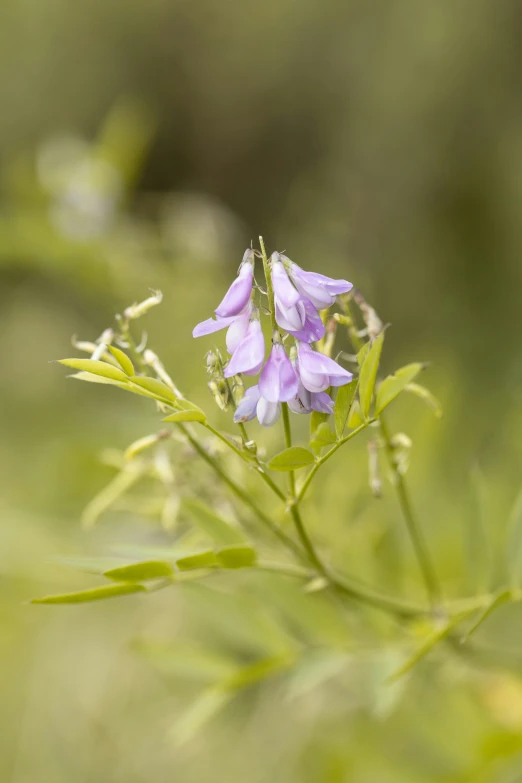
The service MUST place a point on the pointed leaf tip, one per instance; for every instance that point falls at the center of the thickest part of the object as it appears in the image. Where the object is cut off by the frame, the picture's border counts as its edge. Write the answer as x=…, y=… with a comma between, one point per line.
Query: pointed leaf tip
x=96, y=367
x=92, y=594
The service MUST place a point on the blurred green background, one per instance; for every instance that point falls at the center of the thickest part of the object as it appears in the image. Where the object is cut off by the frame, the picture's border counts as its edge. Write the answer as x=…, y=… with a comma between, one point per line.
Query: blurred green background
x=143, y=145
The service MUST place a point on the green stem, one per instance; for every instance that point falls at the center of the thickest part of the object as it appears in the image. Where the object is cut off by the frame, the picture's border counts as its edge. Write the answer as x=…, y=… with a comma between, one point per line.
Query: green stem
x=269, y=286
x=294, y=511
x=414, y=531
x=240, y=493
x=321, y=460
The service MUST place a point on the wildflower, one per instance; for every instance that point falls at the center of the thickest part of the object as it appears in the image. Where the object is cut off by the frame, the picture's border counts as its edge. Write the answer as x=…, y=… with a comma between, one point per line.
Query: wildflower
x=238, y=295
x=237, y=327
x=253, y=403
x=249, y=354
x=302, y=321
x=306, y=401
x=317, y=371
x=278, y=381
x=319, y=289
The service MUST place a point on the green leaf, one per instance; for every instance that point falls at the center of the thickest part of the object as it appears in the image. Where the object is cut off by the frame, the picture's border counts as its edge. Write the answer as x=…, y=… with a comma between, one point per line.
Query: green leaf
x=90, y=378
x=292, y=459
x=323, y=436
x=96, y=367
x=497, y=600
x=355, y=418
x=426, y=396
x=140, y=445
x=188, y=415
x=199, y=713
x=158, y=389
x=122, y=359
x=206, y=559
x=236, y=556
x=258, y=671
x=369, y=374
x=215, y=526
x=392, y=386
x=92, y=594
x=433, y=639
x=316, y=419
x=343, y=403
x=361, y=356
x=140, y=572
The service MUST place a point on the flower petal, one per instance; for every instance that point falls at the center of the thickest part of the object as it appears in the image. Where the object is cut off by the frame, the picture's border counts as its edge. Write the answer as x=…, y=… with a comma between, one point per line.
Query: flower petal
x=238, y=328
x=211, y=325
x=267, y=412
x=283, y=288
x=322, y=402
x=278, y=381
x=237, y=296
x=313, y=328
x=249, y=355
x=246, y=410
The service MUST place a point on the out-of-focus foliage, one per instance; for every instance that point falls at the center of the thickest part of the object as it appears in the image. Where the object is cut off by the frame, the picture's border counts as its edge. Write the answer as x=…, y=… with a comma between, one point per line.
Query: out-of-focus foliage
x=142, y=145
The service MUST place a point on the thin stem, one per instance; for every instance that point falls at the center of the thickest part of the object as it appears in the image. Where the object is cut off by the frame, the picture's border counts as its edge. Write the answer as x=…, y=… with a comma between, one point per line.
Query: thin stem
x=240, y=493
x=269, y=286
x=294, y=511
x=416, y=536
x=321, y=460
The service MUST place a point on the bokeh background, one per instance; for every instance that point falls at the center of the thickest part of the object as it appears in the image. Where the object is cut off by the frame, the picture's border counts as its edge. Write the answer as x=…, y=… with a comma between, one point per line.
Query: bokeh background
x=143, y=145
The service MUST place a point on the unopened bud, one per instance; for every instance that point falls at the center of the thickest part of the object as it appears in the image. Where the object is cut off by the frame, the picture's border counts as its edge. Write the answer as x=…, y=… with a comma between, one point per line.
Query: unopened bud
x=219, y=391
x=136, y=310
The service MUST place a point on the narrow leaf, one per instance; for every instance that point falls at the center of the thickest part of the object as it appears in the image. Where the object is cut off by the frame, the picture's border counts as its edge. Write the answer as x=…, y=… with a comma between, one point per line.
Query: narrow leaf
x=363, y=353
x=496, y=600
x=157, y=388
x=93, y=594
x=206, y=559
x=292, y=459
x=432, y=640
x=343, y=403
x=140, y=445
x=140, y=572
x=96, y=367
x=214, y=525
x=426, y=396
x=122, y=359
x=200, y=712
x=188, y=415
x=355, y=418
x=392, y=386
x=369, y=374
x=236, y=557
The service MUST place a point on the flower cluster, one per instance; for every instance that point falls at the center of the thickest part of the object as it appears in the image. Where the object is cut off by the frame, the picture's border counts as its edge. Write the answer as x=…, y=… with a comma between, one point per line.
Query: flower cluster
x=301, y=379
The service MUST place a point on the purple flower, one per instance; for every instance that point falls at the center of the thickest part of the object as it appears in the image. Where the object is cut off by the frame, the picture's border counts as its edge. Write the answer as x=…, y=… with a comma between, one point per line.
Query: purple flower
x=253, y=403
x=268, y=412
x=249, y=355
x=322, y=402
x=237, y=296
x=278, y=381
x=320, y=289
x=306, y=401
x=246, y=410
x=318, y=372
x=284, y=292
x=301, y=321
x=238, y=325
